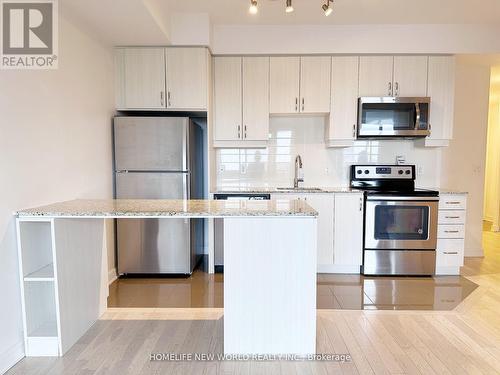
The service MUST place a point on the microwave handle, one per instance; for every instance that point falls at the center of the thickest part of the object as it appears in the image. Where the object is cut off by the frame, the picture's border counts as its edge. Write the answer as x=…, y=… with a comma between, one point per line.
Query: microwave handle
x=417, y=115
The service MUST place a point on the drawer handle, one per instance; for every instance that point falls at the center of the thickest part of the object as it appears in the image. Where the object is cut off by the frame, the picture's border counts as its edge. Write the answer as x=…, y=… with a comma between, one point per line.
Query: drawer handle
x=451, y=252
x=451, y=231
x=452, y=217
x=453, y=202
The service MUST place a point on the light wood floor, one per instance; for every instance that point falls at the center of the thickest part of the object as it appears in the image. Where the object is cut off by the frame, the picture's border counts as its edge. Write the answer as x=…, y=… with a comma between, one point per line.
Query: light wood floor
x=463, y=341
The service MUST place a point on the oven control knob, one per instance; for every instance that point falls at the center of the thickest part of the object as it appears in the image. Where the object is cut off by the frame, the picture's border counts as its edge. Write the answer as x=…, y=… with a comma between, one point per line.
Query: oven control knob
x=400, y=171
x=359, y=171
x=367, y=171
x=408, y=171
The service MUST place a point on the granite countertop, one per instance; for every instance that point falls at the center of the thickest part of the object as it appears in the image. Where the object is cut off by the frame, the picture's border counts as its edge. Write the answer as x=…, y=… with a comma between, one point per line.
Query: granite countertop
x=275, y=190
x=113, y=208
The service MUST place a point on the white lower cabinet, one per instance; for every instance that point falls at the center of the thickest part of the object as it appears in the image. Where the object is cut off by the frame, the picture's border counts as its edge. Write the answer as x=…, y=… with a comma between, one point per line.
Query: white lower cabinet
x=348, y=233
x=340, y=229
x=451, y=234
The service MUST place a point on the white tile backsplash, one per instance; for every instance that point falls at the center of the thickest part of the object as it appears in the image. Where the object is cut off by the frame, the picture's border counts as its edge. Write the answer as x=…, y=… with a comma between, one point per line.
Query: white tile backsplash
x=290, y=136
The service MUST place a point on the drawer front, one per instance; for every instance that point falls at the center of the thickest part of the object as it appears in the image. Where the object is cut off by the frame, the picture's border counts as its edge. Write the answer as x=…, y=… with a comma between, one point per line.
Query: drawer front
x=451, y=231
x=453, y=202
x=450, y=253
x=451, y=217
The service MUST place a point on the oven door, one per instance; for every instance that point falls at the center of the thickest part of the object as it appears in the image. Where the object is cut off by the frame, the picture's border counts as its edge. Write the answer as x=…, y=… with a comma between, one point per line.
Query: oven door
x=406, y=223
x=393, y=117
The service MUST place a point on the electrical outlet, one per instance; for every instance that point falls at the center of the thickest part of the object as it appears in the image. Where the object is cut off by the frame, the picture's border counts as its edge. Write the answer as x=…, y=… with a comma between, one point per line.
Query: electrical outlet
x=222, y=168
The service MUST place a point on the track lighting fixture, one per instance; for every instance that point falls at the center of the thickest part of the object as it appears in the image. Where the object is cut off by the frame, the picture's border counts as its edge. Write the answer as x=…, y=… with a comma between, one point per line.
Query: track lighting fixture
x=327, y=8
x=253, y=7
x=289, y=7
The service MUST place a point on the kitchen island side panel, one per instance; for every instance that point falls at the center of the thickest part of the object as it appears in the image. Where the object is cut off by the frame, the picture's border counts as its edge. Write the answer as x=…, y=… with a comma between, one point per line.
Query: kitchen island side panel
x=270, y=285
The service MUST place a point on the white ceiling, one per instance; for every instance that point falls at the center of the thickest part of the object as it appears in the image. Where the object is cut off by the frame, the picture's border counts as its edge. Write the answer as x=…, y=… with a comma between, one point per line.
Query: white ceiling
x=346, y=12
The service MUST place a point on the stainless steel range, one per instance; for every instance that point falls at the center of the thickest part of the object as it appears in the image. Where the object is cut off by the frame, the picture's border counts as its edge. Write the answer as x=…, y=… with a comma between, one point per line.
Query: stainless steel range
x=400, y=226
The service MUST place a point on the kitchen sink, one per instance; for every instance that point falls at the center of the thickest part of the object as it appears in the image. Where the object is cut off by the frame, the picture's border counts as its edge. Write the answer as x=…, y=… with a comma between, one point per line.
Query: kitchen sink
x=299, y=189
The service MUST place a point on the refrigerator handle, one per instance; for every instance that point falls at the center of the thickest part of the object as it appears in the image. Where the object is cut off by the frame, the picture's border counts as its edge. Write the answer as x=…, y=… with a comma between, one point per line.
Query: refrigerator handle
x=186, y=186
x=185, y=146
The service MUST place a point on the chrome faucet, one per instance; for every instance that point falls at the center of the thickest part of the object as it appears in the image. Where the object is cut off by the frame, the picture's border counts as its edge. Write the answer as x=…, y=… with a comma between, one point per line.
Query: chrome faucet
x=298, y=168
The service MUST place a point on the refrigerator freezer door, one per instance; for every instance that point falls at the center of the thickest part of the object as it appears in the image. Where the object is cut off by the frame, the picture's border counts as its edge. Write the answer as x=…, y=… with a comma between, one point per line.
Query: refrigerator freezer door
x=151, y=143
x=145, y=185
x=154, y=246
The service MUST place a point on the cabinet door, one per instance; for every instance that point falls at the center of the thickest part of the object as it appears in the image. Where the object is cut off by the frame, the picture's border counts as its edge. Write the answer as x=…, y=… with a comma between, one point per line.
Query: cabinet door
x=255, y=98
x=343, y=107
x=144, y=78
x=348, y=229
x=187, y=78
x=227, y=98
x=375, y=75
x=410, y=76
x=284, y=84
x=441, y=90
x=315, y=84
x=324, y=205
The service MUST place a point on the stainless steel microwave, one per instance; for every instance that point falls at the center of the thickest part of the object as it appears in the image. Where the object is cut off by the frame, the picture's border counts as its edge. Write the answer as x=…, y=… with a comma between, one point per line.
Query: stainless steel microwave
x=380, y=117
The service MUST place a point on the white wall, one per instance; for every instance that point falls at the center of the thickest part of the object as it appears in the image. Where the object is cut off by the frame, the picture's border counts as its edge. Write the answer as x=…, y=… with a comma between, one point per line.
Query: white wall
x=464, y=161
x=55, y=144
x=354, y=39
x=492, y=179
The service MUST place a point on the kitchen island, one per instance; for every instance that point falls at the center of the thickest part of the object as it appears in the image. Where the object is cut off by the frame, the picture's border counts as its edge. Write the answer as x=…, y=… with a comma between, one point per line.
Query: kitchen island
x=269, y=272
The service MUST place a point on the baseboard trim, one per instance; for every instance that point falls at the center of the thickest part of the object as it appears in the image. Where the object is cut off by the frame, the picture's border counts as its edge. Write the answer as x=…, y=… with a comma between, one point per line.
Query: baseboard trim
x=112, y=275
x=335, y=268
x=11, y=356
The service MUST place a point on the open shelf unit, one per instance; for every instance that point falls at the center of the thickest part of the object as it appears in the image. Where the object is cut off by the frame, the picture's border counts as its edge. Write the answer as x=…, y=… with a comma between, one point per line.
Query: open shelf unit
x=38, y=287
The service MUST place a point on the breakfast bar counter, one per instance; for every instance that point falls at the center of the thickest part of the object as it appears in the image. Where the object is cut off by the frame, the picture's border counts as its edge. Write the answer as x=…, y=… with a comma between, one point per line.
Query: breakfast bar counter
x=269, y=270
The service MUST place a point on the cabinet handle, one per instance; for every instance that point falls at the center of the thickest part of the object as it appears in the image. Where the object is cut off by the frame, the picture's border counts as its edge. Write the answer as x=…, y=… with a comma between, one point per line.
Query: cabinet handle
x=161, y=98
x=360, y=204
x=168, y=98
x=452, y=217
x=396, y=87
x=390, y=88
x=451, y=231
x=296, y=104
x=302, y=104
x=451, y=252
x=430, y=127
x=452, y=202
x=239, y=131
x=354, y=131
x=245, y=132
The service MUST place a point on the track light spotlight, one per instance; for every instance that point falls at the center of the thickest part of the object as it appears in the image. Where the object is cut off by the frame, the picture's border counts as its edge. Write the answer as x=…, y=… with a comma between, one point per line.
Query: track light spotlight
x=327, y=8
x=253, y=7
x=289, y=7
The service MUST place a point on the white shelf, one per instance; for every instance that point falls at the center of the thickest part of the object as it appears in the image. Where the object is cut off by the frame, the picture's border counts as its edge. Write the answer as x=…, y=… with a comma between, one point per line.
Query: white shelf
x=47, y=329
x=45, y=273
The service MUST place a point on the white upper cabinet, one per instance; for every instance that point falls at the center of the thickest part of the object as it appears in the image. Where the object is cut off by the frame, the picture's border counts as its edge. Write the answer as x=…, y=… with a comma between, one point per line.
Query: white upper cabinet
x=344, y=99
x=241, y=96
x=410, y=76
x=441, y=90
x=140, y=78
x=348, y=232
x=375, y=75
x=227, y=98
x=161, y=78
x=284, y=84
x=187, y=78
x=300, y=84
x=315, y=84
x=255, y=98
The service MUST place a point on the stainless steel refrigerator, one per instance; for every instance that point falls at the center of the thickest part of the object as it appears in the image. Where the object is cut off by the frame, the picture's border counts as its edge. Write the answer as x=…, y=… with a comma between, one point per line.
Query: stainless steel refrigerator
x=158, y=158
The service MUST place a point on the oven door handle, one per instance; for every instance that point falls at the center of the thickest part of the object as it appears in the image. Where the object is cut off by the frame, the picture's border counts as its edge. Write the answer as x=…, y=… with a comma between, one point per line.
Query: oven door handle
x=401, y=198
